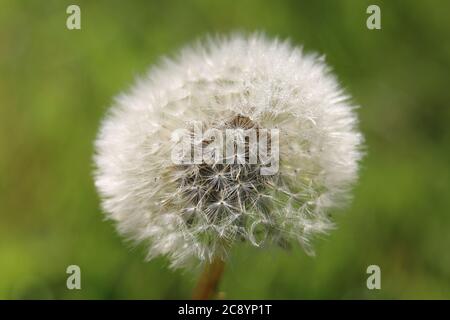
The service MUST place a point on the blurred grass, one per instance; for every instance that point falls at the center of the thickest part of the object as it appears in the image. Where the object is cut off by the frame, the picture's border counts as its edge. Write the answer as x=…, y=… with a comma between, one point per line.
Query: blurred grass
x=56, y=84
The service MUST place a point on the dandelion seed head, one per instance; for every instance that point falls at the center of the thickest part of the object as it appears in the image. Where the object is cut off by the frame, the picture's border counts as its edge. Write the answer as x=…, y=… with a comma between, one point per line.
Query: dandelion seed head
x=196, y=211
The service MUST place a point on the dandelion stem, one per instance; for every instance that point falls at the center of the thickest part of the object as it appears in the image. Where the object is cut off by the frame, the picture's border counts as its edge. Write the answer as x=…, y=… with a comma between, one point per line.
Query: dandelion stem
x=209, y=280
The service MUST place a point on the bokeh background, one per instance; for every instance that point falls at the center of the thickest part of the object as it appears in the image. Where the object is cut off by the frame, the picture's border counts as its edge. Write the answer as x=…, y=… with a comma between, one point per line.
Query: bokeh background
x=56, y=84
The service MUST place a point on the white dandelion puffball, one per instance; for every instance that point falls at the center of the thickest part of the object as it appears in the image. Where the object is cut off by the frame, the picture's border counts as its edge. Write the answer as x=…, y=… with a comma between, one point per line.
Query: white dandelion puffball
x=194, y=209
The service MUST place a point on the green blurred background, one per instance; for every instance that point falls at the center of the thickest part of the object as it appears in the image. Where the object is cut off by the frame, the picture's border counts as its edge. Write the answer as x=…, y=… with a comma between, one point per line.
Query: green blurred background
x=56, y=84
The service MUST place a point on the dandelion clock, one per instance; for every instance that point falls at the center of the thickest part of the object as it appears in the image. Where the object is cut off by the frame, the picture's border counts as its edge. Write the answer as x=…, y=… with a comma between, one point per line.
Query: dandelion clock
x=236, y=139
